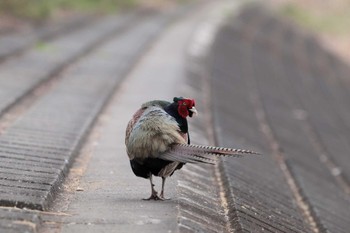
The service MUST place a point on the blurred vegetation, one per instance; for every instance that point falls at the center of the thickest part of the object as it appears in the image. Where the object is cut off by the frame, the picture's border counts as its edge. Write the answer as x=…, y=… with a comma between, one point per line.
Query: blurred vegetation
x=335, y=20
x=41, y=9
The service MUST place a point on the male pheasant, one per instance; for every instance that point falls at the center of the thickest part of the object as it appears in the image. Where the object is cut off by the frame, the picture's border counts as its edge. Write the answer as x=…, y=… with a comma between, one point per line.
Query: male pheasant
x=158, y=143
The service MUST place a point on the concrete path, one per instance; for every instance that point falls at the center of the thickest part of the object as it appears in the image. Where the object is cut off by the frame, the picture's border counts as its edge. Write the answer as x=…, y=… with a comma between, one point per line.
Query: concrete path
x=104, y=195
x=47, y=116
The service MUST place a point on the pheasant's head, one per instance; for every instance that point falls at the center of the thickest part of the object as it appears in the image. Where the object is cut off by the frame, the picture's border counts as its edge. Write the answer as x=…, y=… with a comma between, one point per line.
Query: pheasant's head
x=186, y=107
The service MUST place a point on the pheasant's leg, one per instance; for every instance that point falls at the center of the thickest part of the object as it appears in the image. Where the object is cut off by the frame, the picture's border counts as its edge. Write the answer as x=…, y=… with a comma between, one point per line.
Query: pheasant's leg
x=162, y=192
x=154, y=194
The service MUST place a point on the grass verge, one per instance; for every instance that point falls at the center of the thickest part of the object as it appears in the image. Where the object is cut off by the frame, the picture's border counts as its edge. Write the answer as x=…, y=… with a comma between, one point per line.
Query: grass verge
x=335, y=20
x=43, y=9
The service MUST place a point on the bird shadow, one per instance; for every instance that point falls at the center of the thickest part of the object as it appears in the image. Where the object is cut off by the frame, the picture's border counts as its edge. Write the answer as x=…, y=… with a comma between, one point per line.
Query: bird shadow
x=140, y=200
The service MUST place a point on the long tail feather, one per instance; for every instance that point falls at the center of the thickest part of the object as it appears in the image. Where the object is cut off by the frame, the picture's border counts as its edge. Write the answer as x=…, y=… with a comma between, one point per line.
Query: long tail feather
x=185, y=153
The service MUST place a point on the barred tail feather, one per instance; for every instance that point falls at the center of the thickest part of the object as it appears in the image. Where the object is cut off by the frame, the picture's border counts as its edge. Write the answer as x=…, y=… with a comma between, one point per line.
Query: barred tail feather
x=185, y=153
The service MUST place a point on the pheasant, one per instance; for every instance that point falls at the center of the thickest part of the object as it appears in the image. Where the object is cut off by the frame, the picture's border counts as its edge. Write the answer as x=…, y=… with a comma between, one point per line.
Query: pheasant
x=158, y=143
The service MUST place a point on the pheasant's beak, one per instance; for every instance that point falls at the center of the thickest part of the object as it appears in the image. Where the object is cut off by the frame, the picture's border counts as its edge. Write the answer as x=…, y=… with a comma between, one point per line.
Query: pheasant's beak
x=193, y=110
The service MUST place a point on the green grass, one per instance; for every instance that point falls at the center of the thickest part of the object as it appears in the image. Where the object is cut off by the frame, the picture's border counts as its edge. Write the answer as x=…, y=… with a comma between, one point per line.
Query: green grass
x=332, y=21
x=42, y=46
x=41, y=9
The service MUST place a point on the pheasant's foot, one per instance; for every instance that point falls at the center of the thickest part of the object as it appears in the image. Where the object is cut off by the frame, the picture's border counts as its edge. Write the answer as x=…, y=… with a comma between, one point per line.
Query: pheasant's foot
x=162, y=197
x=154, y=197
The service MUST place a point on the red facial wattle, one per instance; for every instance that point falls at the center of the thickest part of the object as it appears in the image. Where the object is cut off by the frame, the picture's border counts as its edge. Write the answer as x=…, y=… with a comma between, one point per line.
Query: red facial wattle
x=186, y=107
